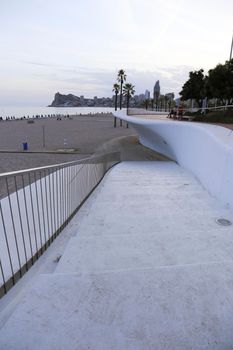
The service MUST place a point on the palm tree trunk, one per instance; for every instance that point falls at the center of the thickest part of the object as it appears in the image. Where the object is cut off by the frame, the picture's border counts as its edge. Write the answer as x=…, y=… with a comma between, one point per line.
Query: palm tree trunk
x=128, y=104
x=121, y=100
x=116, y=101
x=115, y=110
x=121, y=94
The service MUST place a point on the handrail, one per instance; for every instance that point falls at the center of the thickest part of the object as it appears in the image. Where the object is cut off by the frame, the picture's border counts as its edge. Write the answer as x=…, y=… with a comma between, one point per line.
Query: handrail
x=89, y=160
x=38, y=204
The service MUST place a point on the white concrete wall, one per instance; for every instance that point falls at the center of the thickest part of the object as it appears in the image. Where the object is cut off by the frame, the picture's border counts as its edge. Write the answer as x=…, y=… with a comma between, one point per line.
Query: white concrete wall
x=205, y=150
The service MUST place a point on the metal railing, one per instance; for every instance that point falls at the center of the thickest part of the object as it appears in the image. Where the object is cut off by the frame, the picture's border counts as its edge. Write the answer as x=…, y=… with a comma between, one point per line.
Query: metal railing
x=36, y=205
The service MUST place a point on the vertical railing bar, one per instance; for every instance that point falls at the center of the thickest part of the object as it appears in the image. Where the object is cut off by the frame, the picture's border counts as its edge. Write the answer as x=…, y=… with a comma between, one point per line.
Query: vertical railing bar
x=47, y=207
x=64, y=194
x=69, y=177
x=95, y=173
x=74, y=189
x=67, y=193
x=77, y=190
x=84, y=180
x=75, y=182
x=71, y=190
x=3, y=277
x=61, y=196
x=60, y=185
x=51, y=209
x=67, y=209
x=33, y=214
x=14, y=230
x=38, y=214
x=57, y=201
x=43, y=215
x=27, y=219
x=21, y=223
x=7, y=244
x=54, y=209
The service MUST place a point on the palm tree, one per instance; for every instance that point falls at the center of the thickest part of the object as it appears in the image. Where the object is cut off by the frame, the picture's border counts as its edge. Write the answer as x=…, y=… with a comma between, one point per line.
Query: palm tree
x=145, y=103
x=121, y=77
x=116, y=88
x=128, y=91
x=152, y=103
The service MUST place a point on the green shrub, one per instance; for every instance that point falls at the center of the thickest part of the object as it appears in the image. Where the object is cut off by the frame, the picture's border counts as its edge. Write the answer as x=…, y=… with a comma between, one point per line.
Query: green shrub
x=215, y=116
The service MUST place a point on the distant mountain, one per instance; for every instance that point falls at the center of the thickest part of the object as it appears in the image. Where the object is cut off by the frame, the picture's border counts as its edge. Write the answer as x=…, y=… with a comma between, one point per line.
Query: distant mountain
x=65, y=101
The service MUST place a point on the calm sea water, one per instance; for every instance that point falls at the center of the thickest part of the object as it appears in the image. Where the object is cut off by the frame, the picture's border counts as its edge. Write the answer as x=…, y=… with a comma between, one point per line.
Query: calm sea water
x=19, y=112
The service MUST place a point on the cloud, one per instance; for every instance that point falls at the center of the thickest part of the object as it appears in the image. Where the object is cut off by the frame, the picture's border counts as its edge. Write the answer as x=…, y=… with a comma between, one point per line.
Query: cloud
x=46, y=78
x=100, y=82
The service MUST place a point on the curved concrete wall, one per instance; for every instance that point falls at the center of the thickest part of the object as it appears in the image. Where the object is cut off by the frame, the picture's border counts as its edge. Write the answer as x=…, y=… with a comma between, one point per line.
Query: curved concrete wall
x=205, y=150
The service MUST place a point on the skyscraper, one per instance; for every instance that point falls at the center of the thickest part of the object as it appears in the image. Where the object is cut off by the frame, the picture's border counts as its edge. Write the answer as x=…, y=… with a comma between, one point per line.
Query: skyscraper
x=156, y=90
x=147, y=94
x=156, y=93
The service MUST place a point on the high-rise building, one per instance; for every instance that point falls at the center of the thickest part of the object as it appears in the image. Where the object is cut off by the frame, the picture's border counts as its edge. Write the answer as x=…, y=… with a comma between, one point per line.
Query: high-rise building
x=156, y=90
x=147, y=94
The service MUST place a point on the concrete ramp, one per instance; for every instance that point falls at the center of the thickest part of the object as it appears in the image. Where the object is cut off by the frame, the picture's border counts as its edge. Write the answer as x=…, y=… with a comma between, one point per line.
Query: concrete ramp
x=148, y=268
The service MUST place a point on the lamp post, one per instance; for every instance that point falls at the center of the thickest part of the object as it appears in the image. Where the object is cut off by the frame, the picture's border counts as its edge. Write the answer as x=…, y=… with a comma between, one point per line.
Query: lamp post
x=231, y=48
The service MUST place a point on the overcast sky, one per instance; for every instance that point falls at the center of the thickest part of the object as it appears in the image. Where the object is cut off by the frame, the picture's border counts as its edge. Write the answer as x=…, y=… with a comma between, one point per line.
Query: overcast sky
x=77, y=46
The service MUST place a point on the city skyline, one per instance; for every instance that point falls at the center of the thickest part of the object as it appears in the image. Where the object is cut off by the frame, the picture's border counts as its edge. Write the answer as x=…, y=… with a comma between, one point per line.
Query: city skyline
x=78, y=47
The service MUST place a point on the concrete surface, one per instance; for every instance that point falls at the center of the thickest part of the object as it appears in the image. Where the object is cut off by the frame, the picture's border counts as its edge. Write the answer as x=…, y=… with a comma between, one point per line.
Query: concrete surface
x=147, y=268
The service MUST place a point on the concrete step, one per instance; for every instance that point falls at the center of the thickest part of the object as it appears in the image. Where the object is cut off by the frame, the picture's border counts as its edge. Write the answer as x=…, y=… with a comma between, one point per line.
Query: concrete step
x=185, y=307
x=94, y=254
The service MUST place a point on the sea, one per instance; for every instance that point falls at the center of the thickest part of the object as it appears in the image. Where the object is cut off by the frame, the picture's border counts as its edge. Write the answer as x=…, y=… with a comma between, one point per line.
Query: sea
x=20, y=112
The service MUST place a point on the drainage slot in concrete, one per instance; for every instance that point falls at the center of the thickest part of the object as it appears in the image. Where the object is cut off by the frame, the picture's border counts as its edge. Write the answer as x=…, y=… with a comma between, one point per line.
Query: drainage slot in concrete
x=223, y=222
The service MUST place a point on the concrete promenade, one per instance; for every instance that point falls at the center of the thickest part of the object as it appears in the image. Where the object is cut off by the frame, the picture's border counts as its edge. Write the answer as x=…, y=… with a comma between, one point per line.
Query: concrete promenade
x=147, y=268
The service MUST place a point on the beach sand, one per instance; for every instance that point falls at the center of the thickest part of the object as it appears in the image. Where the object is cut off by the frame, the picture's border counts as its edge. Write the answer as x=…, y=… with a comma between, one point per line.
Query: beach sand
x=77, y=137
x=83, y=134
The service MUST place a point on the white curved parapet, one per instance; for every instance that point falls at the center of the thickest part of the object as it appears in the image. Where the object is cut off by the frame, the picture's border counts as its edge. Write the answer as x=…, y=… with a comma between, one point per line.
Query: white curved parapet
x=205, y=150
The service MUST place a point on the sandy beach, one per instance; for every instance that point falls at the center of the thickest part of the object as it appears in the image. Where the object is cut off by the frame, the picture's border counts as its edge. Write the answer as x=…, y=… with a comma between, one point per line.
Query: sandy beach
x=66, y=140
x=76, y=138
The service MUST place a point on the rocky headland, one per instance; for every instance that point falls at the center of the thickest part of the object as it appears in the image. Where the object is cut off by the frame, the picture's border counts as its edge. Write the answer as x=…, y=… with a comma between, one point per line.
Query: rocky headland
x=71, y=100
x=65, y=101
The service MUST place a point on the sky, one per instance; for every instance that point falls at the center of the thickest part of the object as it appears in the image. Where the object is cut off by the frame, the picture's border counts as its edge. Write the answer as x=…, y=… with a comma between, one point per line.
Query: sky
x=77, y=46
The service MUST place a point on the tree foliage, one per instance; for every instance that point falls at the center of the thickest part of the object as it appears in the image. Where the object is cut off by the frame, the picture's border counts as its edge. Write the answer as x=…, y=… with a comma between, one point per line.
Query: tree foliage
x=116, y=89
x=121, y=77
x=128, y=91
x=194, y=88
x=217, y=84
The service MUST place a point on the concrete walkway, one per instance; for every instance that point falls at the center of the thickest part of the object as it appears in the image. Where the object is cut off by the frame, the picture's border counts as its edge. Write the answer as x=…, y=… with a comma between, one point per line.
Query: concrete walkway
x=148, y=268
